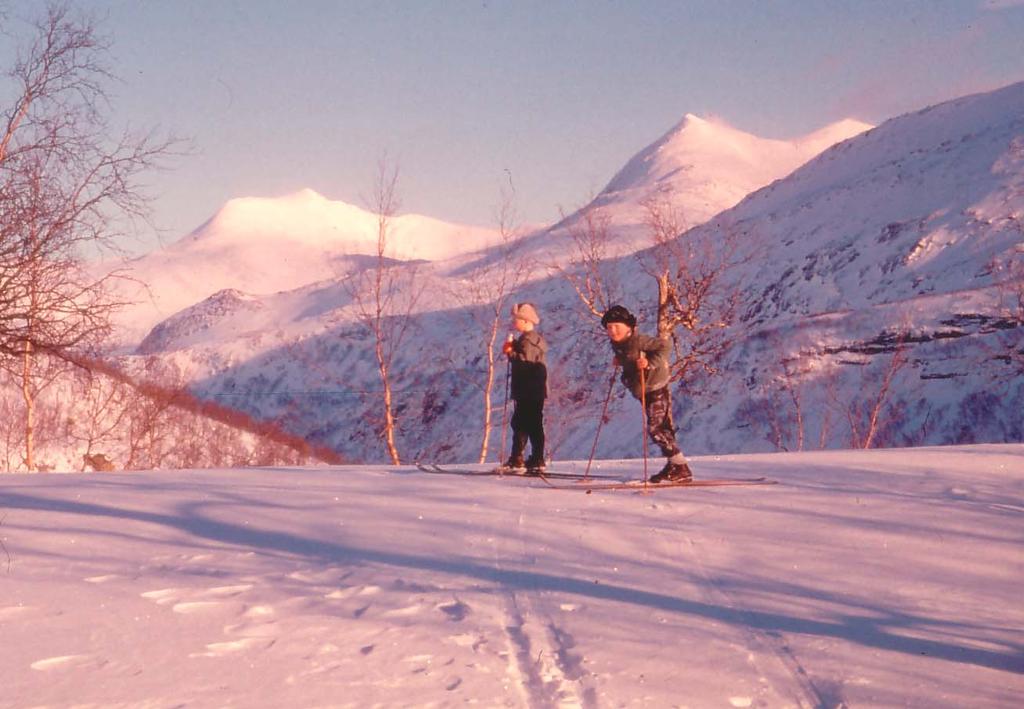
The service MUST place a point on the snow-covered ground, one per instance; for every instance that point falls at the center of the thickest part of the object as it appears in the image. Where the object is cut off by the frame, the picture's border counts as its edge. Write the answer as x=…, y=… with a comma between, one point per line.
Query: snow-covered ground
x=863, y=579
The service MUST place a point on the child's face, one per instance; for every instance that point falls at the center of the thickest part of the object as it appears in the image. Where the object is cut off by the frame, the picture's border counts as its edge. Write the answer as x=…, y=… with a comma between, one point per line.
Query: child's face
x=617, y=331
x=521, y=325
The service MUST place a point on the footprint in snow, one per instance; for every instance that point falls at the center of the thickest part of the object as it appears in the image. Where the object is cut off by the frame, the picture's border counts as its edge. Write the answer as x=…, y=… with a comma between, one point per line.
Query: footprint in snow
x=9, y=612
x=191, y=607
x=102, y=579
x=259, y=612
x=164, y=596
x=62, y=662
x=456, y=611
x=403, y=612
x=187, y=600
x=231, y=647
x=228, y=591
x=341, y=594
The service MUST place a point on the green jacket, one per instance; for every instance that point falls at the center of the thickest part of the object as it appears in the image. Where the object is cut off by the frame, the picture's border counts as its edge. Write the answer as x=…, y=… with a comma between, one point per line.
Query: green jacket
x=657, y=352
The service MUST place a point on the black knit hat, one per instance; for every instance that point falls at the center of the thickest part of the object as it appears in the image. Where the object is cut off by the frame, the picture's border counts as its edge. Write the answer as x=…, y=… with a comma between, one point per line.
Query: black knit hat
x=617, y=313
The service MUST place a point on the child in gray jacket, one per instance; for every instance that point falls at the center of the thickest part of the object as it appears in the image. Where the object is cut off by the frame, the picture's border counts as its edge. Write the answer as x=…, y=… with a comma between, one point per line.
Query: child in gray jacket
x=529, y=388
x=635, y=352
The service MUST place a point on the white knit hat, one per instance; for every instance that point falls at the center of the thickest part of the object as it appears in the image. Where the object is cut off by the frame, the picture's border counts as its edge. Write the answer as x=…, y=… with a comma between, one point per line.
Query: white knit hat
x=526, y=311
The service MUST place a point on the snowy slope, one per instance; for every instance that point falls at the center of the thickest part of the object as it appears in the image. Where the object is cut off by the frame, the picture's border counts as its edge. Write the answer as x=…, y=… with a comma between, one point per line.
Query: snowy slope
x=890, y=235
x=919, y=205
x=881, y=579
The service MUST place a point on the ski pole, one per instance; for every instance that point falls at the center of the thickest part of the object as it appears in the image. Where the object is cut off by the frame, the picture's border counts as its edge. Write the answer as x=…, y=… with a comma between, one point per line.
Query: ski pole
x=504, y=405
x=643, y=419
x=600, y=422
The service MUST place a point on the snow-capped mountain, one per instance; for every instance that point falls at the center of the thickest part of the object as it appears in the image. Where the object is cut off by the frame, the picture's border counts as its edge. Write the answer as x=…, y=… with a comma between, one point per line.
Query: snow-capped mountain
x=269, y=245
x=712, y=165
x=702, y=166
x=881, y=243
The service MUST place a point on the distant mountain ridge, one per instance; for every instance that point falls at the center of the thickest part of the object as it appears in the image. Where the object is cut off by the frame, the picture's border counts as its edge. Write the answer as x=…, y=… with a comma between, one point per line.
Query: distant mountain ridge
x=262, y=245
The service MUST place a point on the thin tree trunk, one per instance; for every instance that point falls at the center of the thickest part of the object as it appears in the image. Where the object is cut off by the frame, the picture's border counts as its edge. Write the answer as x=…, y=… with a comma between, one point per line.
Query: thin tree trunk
x=895, y=365
x=488, y=385
x=664, y=310
x=30, y=407
x=389, y=416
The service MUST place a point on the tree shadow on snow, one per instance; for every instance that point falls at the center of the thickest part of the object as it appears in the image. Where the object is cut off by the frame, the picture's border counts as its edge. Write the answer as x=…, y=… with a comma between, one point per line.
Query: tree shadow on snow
x=868, y=627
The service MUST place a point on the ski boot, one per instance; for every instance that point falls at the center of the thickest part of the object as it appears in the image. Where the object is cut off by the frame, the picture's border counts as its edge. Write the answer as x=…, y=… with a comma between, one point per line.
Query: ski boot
x=535, y=467
x=513, y=466
x=673, y=472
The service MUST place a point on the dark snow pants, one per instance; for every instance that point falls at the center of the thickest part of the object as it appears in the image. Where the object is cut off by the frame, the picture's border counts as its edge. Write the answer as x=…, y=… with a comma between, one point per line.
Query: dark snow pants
x=528, y=424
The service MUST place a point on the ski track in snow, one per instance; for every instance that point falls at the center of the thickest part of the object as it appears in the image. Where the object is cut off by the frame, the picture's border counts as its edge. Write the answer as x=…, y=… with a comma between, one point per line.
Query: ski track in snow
x=542, y=651
x=763, y=646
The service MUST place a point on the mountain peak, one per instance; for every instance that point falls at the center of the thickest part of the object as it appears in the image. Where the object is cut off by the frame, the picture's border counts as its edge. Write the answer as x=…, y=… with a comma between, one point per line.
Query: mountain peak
x=691, y=120
x=306, y=194
x=717, y=164
x=694, y=127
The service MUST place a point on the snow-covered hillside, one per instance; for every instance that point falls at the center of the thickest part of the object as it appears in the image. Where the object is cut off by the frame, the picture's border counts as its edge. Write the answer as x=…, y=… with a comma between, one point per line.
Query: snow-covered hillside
x=862, y=579
x=878, y=250
x=920, y=205
x=887, y=246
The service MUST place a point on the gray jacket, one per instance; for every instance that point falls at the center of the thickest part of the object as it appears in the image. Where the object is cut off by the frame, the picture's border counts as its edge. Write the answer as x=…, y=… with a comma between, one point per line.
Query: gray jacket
x=657, y=352
x=529, y=368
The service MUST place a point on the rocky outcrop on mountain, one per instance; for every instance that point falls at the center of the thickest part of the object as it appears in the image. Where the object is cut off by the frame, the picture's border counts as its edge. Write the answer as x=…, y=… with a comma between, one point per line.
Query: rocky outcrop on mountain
x=175, y=332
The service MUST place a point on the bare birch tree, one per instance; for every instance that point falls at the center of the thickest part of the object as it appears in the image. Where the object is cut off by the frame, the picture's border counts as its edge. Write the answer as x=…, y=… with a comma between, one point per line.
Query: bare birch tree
x=101, y=413
x=63, y=178
x=697, y=297
x=870, y=404
x=385, y=296
x=1008, y=273
x=780, y=407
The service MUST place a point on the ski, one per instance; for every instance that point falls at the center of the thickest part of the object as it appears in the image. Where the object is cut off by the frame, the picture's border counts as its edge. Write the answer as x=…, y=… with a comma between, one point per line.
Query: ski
x=576, y=481
x=442, y=470
x=645, y=486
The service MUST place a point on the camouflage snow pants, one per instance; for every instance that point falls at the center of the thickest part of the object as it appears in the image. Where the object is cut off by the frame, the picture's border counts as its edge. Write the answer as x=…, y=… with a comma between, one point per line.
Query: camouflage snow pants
x=659, y=421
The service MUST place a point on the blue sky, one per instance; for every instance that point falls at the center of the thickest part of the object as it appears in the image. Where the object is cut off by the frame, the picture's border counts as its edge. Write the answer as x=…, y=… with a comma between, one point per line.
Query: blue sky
x=278, y=96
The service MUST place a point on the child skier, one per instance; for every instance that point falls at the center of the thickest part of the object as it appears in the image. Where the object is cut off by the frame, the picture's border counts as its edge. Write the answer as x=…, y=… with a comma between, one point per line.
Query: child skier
x=635, y=352
x=529, y=388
